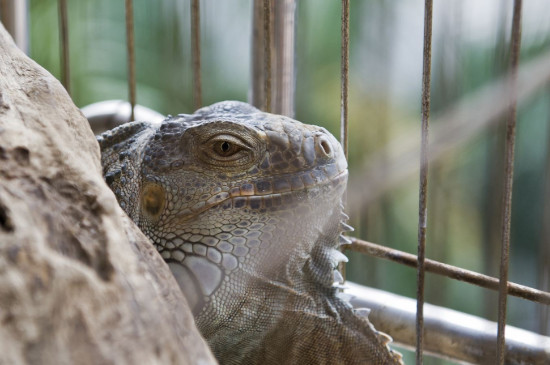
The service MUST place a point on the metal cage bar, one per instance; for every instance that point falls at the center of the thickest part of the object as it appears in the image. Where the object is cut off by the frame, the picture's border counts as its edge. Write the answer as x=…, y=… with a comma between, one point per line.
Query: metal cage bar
x=267, y=55
x=284, y=72
x=344, y=76
x=449, y=334
x=344, y=83
x=508, y=182
x=64, y=45
x=453, y=272
x=423, y=190
x=14, y=16
x=131, y=55
x=544, y=258
x=273, y=43
x=196, y=53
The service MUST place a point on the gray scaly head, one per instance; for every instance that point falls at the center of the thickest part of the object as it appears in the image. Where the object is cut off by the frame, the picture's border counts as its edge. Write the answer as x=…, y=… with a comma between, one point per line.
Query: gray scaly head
x=245, y=207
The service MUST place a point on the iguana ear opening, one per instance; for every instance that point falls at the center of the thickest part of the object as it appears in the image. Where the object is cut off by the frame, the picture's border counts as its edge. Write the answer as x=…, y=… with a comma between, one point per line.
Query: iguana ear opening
x=153, y=201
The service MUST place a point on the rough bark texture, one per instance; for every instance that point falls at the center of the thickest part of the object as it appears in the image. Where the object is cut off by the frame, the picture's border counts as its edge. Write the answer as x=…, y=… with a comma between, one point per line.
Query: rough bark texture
x=79, y=283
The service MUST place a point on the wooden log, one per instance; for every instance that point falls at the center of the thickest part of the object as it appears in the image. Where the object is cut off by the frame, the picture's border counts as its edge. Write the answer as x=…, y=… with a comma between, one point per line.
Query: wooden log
x=79, y=283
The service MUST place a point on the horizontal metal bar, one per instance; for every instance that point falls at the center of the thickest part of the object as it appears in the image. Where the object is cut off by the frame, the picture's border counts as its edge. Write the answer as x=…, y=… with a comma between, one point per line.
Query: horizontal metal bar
x=448, y=333
x=450, y=271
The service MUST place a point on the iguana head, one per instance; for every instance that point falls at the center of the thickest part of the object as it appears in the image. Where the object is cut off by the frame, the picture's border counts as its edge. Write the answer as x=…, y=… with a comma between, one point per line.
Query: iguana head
x=244, y=206
x=231, y=191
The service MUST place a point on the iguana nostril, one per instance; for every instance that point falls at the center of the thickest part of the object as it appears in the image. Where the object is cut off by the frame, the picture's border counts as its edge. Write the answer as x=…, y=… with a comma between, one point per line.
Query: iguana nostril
x=324, y=147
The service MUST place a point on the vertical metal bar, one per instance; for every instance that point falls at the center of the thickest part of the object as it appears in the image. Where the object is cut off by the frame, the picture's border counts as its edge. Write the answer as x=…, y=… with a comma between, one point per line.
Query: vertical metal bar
x=544, y=256
x=196, y=54
x=256, y=95
x=423, y=193
x=344, y=72
x=64, y=45
x=273, y=43
x=494, y=171
x=284, y=75
x=131, y=56
x=508, y=181
x=267, y=55
x=14, y=16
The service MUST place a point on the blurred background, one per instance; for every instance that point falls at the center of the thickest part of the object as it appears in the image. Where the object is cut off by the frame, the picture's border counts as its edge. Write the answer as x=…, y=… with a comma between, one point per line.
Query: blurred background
x=470, y=50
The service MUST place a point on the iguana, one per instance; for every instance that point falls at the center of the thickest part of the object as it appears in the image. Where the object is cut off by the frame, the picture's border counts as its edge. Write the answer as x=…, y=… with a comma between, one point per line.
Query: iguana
x=245, y=207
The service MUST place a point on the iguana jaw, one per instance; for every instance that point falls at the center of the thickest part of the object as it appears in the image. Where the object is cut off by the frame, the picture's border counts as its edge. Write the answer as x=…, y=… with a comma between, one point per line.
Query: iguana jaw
x=249, y=195
x=200, y=275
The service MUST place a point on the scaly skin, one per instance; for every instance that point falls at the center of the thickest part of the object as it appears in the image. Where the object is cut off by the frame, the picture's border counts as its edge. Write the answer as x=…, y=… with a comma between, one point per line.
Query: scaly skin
x=245, y=207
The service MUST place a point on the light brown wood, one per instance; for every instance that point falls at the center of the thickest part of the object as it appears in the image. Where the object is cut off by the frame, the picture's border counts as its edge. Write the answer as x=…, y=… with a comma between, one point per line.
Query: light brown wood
x=79, y=283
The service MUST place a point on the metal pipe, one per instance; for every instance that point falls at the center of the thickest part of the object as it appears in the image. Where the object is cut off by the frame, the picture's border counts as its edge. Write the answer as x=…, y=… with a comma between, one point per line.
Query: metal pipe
x=450, y=271
x=508, y=182
x=449, y=334
x=108, y=114
x=14, y=16
x=273, y=43
x=284, y=73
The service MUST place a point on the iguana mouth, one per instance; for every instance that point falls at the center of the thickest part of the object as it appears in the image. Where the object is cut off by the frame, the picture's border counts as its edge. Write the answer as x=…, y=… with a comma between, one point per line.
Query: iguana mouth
x=265, y=194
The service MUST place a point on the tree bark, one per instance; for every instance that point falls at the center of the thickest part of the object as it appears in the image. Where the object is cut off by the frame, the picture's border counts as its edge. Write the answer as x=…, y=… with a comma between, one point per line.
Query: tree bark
x=79, y=283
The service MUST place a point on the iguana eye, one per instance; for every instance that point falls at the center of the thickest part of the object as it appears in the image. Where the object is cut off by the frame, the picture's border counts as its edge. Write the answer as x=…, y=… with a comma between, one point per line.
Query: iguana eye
x=226, y=148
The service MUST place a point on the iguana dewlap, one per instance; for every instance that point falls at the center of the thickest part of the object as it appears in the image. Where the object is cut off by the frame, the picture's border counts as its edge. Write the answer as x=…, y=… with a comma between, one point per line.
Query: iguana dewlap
x=245, y=207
